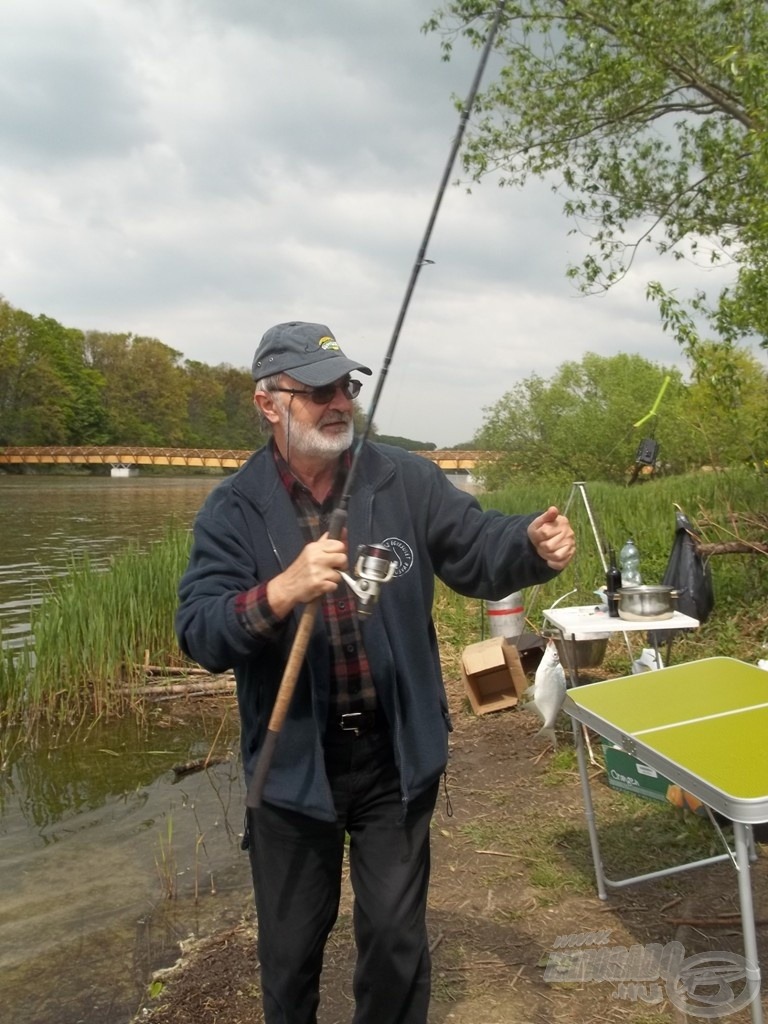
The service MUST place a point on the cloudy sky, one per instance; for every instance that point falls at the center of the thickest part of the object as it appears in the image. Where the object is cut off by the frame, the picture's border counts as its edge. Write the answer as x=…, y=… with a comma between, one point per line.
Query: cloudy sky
x=198, y=170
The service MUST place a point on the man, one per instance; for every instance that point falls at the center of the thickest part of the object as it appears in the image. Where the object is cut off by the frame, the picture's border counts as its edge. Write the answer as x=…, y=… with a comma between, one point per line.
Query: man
x=366, y=738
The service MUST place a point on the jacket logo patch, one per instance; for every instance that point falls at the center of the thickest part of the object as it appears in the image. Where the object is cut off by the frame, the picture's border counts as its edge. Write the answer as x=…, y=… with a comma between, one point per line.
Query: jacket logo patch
x=403, y=554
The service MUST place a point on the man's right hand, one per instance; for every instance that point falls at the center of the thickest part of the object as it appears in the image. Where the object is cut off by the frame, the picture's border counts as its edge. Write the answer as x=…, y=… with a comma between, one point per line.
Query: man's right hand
x=314, y=573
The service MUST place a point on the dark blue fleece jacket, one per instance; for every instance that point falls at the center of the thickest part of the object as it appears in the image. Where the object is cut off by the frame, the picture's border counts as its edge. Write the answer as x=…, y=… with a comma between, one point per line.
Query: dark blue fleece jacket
x=246, y=533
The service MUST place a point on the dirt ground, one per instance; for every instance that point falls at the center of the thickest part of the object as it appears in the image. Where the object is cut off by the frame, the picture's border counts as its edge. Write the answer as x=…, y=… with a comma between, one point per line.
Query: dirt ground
x=511, y=877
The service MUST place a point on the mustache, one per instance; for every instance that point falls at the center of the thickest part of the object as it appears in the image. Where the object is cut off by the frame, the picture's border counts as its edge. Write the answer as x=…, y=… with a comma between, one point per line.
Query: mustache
x=331, y=418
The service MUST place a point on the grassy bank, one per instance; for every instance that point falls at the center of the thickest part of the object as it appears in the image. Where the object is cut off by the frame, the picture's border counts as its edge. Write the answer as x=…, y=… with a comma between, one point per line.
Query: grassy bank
x=93, y=631
x=724, y=506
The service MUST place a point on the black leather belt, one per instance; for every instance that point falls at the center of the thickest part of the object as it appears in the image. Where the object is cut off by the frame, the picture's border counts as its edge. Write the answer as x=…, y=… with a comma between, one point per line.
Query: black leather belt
x=358, y=722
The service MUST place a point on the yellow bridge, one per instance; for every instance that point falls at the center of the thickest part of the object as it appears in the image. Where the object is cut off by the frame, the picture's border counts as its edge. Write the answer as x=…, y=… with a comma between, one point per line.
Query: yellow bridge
x=124, y=456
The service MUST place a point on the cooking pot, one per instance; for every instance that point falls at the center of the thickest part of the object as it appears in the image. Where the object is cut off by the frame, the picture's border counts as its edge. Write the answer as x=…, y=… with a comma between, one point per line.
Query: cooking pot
x=635, y=604
x=582, y=650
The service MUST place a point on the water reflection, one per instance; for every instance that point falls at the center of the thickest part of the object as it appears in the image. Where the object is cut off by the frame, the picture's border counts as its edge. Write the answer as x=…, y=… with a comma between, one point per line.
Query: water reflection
x=70, y=771
x=95, y=832
x=46, y=521
x=94, y=824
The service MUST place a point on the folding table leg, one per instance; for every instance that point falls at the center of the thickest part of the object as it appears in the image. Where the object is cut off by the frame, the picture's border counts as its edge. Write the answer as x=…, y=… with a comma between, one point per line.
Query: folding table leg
x=741, y=837
x=589, y=810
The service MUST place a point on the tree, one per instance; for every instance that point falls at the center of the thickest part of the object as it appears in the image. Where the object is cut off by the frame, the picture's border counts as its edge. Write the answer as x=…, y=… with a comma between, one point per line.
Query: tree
x=221, y=410
x=727, y=407
x=206, y=427
x=585, y=423
x=650, y=119
x=244, y=426
x=48, y=395
x=146, y=390
x=580, y=424
x=406, y=442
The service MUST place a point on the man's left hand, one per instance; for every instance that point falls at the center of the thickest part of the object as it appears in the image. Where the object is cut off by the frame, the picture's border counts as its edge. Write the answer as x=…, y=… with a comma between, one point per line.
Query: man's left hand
x=552, y=537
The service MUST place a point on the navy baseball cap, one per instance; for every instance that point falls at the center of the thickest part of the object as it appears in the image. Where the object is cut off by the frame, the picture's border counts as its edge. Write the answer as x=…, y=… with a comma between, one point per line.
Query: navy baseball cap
x=307, y=352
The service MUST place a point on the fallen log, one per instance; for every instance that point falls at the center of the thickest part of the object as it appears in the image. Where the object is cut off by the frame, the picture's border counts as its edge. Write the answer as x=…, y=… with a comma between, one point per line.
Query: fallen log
x=219, y=684
x=174, y=670
x=732, y=547
x=198, y=765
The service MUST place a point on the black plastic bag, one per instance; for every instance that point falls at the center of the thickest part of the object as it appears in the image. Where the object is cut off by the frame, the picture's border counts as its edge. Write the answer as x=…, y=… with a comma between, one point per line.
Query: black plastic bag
x=688, y=573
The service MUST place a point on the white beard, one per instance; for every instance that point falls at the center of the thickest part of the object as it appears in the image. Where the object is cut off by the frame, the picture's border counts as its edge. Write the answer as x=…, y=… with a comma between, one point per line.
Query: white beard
x=310, y=441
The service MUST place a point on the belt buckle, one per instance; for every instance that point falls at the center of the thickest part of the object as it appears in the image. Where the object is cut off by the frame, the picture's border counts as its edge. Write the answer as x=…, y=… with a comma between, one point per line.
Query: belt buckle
x=347, y=725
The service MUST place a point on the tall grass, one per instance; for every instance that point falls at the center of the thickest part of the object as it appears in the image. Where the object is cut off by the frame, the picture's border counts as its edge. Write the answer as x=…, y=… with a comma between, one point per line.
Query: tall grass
x=646, y=512
x=93, y=629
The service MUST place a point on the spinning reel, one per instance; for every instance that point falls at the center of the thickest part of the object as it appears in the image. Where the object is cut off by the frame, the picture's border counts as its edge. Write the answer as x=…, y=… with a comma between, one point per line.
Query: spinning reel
x=374, y=566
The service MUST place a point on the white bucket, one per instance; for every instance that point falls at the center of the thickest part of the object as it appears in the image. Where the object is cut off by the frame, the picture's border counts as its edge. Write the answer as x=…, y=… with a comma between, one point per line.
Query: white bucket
x=506, y=617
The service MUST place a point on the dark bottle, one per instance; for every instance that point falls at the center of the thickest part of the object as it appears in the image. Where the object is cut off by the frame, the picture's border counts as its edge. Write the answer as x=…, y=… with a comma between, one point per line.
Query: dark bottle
x=612, y=584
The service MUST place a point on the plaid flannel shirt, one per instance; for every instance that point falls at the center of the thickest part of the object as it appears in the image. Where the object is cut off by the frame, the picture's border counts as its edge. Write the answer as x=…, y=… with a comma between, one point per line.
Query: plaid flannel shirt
x=352, y=686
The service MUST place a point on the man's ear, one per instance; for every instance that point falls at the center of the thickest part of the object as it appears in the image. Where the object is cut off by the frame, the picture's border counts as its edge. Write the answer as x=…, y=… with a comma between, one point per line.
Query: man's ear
x=265, y=403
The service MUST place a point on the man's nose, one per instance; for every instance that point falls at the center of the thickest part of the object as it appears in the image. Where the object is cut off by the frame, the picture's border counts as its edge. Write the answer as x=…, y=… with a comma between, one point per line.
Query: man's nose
x=340, y=399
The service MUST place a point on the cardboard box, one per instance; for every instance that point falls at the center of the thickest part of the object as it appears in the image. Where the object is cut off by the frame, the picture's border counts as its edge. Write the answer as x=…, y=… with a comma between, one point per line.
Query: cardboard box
x=627, y=774
x=493, y=674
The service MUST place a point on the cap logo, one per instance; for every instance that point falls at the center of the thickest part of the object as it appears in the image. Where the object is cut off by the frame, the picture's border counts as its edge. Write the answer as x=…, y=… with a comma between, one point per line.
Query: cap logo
x=329, y=344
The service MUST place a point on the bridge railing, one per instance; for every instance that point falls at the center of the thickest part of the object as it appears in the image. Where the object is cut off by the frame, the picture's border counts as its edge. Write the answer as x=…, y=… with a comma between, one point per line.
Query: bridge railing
x=134, y=455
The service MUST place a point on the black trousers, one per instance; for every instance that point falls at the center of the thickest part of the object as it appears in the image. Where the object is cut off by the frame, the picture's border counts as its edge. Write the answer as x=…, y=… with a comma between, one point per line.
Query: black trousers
x=296, y=863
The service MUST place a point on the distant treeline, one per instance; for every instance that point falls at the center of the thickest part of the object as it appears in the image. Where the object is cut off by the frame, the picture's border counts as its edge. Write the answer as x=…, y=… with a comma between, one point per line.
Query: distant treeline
x=60, y=385
x=64, y=386
x=407, y=443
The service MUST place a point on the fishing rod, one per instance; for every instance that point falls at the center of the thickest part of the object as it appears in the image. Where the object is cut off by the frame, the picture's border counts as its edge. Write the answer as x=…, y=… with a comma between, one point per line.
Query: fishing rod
x=373, y=563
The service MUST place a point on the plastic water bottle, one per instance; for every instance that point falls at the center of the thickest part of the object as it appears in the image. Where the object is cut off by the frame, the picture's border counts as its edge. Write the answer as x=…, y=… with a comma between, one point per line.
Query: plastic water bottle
x=629, y=559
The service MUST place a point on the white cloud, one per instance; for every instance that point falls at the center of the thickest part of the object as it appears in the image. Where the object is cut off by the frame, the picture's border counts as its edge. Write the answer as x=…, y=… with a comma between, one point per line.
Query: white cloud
x=197, y=171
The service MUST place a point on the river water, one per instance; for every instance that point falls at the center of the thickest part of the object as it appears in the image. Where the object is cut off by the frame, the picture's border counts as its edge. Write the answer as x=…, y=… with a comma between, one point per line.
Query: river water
x=108, y=858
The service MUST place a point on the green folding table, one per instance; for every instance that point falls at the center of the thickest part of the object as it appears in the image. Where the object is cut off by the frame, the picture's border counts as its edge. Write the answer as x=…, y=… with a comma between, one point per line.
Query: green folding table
x=704, y=726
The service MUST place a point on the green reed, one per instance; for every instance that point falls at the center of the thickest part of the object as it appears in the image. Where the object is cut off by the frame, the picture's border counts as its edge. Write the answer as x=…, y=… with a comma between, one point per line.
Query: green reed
x=94, y=630
x=738, y=625
x=646, y=512
x=14, y=673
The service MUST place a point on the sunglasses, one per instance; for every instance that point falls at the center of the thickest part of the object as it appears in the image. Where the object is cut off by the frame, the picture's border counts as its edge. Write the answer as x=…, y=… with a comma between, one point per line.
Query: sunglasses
x=325, y=394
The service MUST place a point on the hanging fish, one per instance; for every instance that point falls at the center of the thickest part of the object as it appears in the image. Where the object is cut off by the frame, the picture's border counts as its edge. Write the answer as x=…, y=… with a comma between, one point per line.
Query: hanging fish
x=548, y=691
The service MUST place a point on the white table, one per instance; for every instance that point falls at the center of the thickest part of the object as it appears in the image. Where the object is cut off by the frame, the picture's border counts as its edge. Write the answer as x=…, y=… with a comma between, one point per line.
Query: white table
x=584, y=621
x=590, y=618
